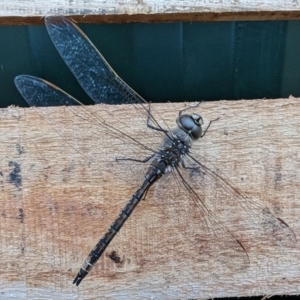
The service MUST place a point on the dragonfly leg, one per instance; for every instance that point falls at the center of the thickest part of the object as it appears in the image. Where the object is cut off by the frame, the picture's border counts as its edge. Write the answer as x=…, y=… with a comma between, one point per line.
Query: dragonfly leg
x=187, y=108
x=209, y=126
x=145, y=194
x=193, y=170
x=189, y=168
x=137, y=160
x=150, y=125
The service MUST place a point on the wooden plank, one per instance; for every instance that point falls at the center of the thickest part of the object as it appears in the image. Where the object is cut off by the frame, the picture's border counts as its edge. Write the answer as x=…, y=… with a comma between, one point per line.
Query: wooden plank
x=95, y=11
x=56, y=203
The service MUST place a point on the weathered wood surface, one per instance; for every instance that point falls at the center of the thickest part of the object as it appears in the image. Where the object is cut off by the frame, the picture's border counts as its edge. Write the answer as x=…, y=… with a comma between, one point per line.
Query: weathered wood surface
x=56, y=203
x=30, y=12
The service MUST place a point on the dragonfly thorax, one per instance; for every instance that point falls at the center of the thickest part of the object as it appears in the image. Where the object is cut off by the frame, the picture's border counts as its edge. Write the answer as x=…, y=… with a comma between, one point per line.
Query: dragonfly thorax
x=191, y=124
x=174, y=149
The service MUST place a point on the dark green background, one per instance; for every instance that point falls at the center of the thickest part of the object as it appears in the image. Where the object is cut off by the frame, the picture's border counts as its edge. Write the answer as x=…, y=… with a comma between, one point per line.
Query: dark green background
x=174, y=61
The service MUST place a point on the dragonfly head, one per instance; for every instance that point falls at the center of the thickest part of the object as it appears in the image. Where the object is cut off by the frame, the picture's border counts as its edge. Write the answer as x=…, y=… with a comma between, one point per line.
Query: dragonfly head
x=191, y=124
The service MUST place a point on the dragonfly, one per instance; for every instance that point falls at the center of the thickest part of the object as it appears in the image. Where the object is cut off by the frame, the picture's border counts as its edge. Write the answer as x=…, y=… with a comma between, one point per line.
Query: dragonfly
x=170, y=161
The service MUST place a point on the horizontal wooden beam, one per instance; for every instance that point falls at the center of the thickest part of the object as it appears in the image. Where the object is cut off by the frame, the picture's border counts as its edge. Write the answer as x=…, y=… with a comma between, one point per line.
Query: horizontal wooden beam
x=95, y=11
x=59, y=195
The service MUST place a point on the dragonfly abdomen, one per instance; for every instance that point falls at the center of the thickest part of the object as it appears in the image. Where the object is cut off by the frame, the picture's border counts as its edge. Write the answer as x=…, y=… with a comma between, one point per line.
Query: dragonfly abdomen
x=152, y=175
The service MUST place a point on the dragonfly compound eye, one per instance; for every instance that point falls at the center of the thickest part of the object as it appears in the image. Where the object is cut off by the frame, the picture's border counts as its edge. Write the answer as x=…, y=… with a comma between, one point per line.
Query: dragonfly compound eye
x=191, y=124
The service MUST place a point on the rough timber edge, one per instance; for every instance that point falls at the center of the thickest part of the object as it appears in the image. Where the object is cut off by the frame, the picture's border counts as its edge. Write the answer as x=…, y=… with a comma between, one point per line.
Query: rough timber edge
x=24, y=12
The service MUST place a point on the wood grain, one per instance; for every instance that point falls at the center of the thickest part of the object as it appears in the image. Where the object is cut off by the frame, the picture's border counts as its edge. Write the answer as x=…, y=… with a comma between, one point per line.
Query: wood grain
x=56, y=203
x=116, y=11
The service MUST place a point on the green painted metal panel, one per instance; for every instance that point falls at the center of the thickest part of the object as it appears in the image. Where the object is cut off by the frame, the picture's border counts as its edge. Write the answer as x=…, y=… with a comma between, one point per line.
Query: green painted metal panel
x=171, y=61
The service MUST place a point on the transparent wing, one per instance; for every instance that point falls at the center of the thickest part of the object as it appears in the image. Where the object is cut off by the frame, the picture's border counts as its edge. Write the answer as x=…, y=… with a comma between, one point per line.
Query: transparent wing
x=211, y=213
x=241, y=214
x=99, y=81
x=39, y=93
x=91, y=69
x=196, y=222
